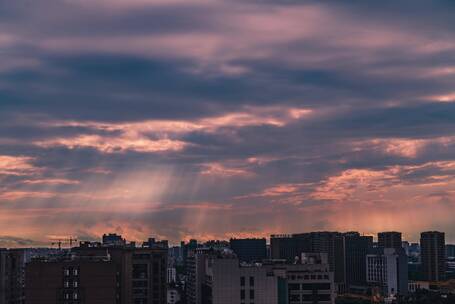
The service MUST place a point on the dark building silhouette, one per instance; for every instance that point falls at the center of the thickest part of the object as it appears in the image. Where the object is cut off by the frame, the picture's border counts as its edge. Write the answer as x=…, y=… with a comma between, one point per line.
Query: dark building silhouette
x=289, y=247
x=187, y=248
x=391, y=239
x=450, y=251
x=113, y=239
x=88, y=281
x=356, y=248
x=283, y=246
x=330, y=243
x=249, y=250
x=139, y=275
x=12, y=280
x=433, y=255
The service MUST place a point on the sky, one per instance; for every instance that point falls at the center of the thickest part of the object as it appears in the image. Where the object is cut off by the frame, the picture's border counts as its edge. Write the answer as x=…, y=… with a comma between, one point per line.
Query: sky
x=213, y=119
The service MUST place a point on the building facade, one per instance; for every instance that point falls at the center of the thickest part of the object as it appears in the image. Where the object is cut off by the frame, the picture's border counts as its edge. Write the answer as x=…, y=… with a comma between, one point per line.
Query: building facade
x=72, y=281
x=227, y=281
x=356, y=248
x=249, y=250
x=388, y=270
x=433, y=255
x=139, y=275
x=390, y=239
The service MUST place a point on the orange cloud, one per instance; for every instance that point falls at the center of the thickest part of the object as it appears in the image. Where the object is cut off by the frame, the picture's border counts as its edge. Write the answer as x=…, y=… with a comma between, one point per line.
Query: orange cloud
x=51, y=181
x=134, y=136
x=119, y=144
x=220, y=170
x=16, y=165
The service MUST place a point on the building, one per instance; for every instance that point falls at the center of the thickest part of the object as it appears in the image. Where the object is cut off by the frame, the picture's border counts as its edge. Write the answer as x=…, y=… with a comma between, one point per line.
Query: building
x=330, y=243
x=228, y=283
x=414, y=250
x=79, y=280
x=283, y=247
x=356, y=248
x=433, y=255
x=289, y=247
x=225, y=280
x=138, y=273
x=390, y=239
x=173, y=296
x=196, y=271
x=308, y=281
x=171, y=275
x=249, y=250
x=450, y=251
x=4, y=276
x=414, y=286
x=186, y=249
x=388, y=270
x=113, y=239
x=12, y=274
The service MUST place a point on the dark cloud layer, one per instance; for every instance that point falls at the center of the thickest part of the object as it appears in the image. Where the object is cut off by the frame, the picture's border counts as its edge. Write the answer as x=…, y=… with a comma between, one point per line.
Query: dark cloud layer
x=209, y=118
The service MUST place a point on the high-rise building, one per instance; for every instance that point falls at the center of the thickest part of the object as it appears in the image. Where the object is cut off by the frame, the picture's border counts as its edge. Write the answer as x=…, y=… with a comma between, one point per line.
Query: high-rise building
x=330, y=243
x=356, y=248
x=12, y=275
x=289, y=247
x=433, y=255
x=283, y=246
x=249, y=250
x=4, y=276
x=390, y=239
x=388, y=270
x=450, y=251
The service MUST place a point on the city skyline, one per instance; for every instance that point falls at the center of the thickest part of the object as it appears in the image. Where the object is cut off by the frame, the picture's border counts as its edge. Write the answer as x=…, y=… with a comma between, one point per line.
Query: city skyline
x=212, y=119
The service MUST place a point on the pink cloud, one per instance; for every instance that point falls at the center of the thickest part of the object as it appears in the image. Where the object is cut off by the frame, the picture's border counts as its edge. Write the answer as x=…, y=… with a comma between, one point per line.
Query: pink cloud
x=17, y=165
x=134, y=136
x=221, y=170
x=112, y=145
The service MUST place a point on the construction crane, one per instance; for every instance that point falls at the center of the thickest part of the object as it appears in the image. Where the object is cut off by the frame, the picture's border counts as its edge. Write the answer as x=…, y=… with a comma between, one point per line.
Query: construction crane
x=61, y=242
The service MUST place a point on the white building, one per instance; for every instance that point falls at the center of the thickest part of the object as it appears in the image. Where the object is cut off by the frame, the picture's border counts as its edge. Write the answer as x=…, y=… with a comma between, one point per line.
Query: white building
x=171, y=275
x=388, y=270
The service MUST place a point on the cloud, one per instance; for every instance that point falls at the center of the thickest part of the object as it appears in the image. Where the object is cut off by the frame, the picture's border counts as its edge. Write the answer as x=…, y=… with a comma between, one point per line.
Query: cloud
x=16, y=165
x=211, y=119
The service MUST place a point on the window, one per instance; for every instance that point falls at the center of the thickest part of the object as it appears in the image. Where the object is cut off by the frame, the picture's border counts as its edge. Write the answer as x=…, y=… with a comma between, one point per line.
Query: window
x=75, y=272
x=251, y=294
x=294, y=286
x=294, y=297
x=242, y=281
x=75, y=296
x=251, y=281
x=66, y=284
x=66, y=272
x=242, y=294
x=75, y=284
